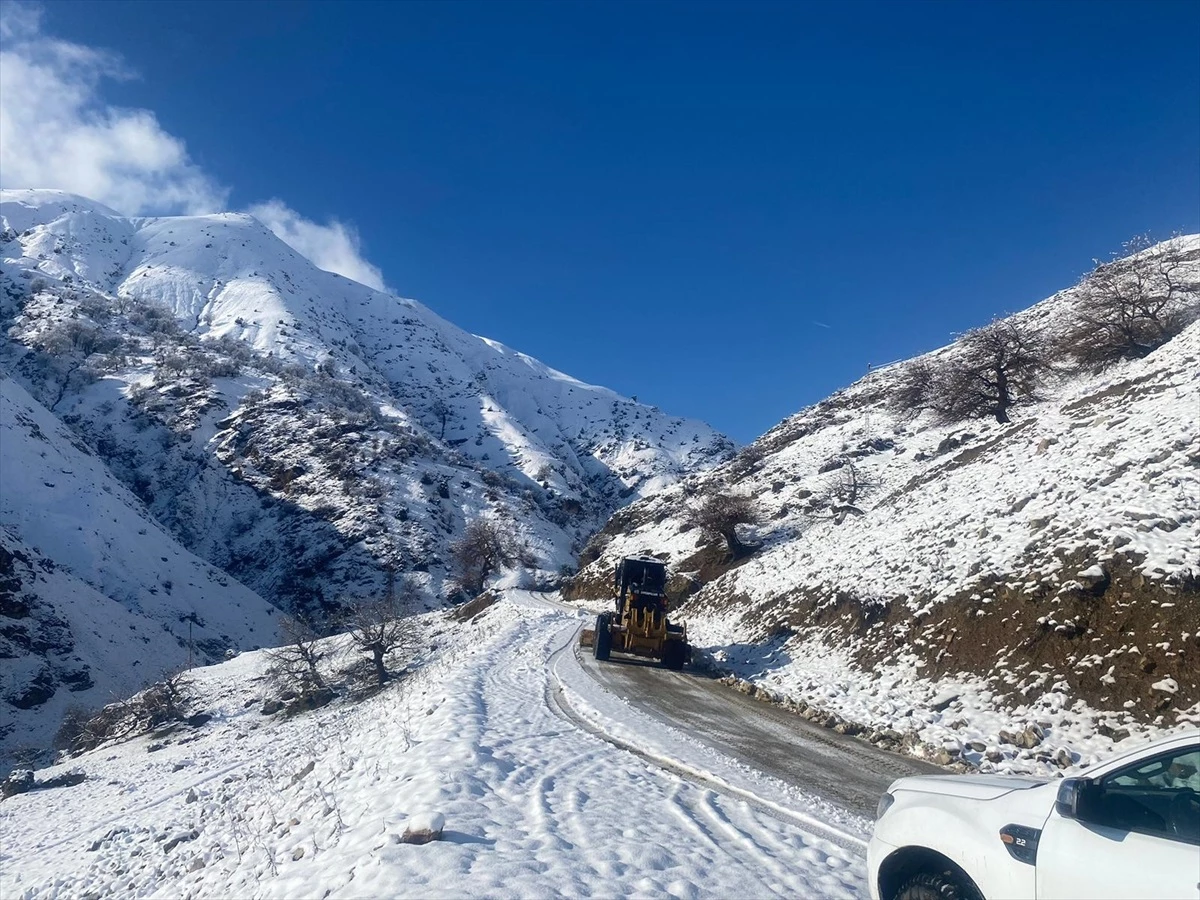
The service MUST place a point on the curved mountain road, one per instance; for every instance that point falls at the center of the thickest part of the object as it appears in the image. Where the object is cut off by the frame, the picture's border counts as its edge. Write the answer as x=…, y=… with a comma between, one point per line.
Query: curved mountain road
x=834, y=769
x=851, y=773
x=847, y=772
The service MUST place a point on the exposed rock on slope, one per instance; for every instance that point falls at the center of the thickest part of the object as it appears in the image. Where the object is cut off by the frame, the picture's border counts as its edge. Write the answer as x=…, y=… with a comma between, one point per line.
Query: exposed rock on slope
x=190, y=385
x=95, y=597
x=300, y=430
x=1049, y=561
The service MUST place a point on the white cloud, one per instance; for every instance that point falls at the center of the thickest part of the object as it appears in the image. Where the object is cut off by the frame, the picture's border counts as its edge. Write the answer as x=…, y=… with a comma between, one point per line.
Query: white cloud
x=18, y=21
x=56, y=131
x=333, y=247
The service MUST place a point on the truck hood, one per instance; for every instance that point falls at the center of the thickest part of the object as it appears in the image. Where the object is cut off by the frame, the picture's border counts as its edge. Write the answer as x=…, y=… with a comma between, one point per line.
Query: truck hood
x=974, y=787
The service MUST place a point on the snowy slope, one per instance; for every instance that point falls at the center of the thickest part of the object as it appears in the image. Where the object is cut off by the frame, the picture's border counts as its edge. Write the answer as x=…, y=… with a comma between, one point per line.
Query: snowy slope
x=313, y=806
x=228, y=276
x=1027, y=569
x=97, y=599
x=298, y=361
x=298, y=431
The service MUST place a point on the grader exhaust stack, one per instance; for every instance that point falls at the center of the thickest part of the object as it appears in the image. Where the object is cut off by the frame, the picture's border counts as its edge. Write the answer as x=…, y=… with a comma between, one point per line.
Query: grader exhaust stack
x=640, y=625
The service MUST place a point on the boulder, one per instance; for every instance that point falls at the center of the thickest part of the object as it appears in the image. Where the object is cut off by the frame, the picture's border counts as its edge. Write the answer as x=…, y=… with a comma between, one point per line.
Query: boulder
x=1113, y=733
x=181, y=838
x=18, y=782
x=1030, y=737
x=1027, y=739
x=423, y=828
x=942, y=702
x=66, y=779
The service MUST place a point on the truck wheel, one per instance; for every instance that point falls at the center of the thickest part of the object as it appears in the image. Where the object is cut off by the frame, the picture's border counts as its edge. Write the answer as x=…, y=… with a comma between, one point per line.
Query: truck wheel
x=602, y=645
x=933, y=886
x=674, y=654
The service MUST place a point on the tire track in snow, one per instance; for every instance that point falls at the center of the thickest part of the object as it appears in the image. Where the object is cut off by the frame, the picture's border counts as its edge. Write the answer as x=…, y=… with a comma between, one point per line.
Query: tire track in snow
x=555, y=795
x=558, y=700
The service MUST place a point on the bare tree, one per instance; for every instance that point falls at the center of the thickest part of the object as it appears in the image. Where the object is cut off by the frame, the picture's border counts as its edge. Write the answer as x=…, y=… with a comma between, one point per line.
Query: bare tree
x=441, y=410
x=914, y=385
x=379, y=628
x=296, y=665
x=844, y=491
x=483, y=548
x=169, y=699
x=73, y=731
x=719, y=512
x=1132, y=304
x=990, y=370
x=165, y=701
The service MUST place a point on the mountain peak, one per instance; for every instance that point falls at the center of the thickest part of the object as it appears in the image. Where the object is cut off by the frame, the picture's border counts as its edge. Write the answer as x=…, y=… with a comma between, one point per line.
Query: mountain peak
x=303, y=433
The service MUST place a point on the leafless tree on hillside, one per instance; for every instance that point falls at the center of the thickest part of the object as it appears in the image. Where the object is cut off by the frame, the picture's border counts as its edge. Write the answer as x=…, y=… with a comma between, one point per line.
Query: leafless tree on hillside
x=165, y=701
x=381, y=628
x=845, y=490
x=296, y=665
x=1132, y=304
x=989, y=371
x=484, y=548
x=168, y=700
x=719, y=512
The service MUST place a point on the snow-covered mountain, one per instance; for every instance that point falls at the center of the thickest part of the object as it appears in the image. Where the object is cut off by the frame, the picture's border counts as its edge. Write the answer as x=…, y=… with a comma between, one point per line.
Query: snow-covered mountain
x=95, y=597
x=1041, y=572
x=301, y=433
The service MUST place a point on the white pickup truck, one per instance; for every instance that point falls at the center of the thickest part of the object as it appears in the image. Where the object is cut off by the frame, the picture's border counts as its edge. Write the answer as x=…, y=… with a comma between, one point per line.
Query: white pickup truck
x=1126, y=829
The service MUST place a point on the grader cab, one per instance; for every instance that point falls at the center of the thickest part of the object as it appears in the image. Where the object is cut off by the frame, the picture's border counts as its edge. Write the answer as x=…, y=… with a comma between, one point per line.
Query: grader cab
x=640, y=625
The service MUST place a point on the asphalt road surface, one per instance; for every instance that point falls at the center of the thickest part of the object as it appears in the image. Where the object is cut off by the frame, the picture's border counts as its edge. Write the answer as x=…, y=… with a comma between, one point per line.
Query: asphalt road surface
x=849, y=772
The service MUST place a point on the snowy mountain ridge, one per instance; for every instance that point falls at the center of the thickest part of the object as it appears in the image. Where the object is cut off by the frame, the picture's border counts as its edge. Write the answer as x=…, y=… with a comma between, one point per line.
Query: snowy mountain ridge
x=1039, y=572
x=303, y=434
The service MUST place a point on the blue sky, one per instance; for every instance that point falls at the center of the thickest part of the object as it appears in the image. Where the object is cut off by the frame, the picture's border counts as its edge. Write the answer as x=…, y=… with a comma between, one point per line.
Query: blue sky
x=728, y=210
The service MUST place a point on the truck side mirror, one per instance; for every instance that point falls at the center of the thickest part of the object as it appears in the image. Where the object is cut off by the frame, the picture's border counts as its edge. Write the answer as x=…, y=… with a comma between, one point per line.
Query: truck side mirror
x=1073, y=797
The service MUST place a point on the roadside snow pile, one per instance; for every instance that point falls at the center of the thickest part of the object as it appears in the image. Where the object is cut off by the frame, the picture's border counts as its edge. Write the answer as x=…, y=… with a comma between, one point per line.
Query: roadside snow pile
x=1049, y=563
x=528, y=805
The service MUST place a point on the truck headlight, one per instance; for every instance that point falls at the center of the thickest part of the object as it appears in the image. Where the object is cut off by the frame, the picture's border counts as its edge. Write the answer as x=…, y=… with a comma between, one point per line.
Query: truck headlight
x=885, y=803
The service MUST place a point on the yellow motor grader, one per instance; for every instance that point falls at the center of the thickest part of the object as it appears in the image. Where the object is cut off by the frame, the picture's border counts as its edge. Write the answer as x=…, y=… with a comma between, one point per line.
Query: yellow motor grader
x=639, y=625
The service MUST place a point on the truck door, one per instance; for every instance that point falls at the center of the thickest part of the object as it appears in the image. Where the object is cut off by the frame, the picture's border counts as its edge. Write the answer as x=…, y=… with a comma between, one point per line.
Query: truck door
x=1139, y=838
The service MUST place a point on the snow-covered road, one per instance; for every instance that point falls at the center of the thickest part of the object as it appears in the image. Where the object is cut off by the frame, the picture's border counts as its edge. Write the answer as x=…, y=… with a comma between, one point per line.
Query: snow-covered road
x=844, y=770
x=487, y=734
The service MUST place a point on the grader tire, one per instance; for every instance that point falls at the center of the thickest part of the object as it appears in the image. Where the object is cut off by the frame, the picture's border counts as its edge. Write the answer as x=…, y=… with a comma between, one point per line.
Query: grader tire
x=674, y=655
x=602, y=643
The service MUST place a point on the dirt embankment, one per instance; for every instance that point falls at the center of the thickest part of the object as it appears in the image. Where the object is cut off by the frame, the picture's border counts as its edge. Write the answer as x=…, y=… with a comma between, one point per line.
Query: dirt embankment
x=1113, y=638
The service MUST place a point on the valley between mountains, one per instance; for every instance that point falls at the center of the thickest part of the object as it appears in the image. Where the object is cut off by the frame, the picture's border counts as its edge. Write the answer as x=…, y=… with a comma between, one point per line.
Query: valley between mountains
x=206, y=440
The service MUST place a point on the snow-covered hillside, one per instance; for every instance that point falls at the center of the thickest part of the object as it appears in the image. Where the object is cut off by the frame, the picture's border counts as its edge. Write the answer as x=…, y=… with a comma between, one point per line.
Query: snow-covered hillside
x=95, y=598
x=1041, y=572
x=300, y=432
x=254, y=805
